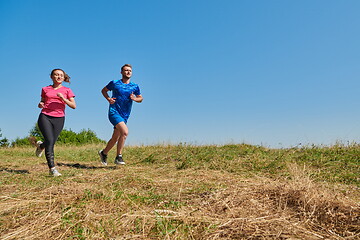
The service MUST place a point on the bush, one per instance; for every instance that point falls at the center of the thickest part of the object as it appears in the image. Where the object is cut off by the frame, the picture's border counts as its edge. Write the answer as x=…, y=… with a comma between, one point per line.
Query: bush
x=4, y=142
x=35, y=132
x=66, y=137
x=19, y=142
x=83, y=137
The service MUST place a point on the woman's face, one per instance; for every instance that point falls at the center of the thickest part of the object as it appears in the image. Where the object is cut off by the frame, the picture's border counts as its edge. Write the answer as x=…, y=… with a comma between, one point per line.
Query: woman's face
x=58, y=76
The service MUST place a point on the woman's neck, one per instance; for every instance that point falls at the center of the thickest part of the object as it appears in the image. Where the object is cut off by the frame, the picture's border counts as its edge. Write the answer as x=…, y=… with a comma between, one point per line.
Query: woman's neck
x=56, y=86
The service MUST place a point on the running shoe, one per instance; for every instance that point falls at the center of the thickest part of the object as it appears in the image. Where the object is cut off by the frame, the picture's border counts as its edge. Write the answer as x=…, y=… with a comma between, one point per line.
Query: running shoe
x=54, y=172
x=119, y=160
x=103, y=158
x=39, y=150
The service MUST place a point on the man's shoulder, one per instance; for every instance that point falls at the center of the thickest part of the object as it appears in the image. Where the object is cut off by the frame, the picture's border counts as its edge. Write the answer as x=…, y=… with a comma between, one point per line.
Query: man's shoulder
x=112, y=83
x=133, y=84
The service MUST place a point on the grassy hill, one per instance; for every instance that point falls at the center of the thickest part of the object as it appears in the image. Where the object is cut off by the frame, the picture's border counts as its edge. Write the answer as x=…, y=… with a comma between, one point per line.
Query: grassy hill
x=182, y=192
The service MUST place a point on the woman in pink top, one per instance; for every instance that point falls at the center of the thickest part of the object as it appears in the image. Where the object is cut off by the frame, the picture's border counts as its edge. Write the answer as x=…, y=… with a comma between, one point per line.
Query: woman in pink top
x=54, y=99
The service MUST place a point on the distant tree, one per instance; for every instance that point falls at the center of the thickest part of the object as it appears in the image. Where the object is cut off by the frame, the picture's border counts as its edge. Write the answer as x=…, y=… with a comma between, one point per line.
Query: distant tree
x=35, y=131
x=4, y=142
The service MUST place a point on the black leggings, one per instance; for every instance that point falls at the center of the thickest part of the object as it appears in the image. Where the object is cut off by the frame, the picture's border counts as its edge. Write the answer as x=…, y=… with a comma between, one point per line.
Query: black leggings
x=50, y=128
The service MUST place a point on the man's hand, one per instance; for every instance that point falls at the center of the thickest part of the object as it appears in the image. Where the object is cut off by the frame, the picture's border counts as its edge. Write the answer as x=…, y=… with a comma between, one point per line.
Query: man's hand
x=111, y=100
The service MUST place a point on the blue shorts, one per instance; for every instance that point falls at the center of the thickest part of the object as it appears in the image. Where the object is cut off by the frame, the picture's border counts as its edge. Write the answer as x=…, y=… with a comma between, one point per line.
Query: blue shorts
x=115, y=119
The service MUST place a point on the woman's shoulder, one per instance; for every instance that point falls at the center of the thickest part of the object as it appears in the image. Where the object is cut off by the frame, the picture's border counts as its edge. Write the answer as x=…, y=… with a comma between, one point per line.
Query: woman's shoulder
x=65, y=89
x=47, y=87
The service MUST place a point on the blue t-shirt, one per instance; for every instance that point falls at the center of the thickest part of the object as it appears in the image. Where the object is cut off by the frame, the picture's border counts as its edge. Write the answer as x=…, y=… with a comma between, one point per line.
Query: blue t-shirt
x=122, y=92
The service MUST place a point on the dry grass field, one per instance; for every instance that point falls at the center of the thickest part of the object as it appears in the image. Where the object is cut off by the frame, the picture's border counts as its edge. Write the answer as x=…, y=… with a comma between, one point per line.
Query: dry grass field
x=182, y=192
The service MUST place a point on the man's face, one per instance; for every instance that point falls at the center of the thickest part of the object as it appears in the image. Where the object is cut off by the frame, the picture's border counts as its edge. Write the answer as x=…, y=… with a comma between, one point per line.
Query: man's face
x=126, y=72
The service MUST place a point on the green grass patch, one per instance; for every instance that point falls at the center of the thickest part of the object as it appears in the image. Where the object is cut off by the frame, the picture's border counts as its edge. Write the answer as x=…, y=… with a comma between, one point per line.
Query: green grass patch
x=181, y=192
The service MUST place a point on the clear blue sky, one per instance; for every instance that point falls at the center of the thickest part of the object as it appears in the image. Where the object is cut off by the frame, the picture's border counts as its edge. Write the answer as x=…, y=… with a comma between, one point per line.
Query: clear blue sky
x=275, y=73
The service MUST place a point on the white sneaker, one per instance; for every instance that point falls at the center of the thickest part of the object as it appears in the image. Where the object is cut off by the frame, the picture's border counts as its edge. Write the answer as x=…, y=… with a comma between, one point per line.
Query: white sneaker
x=39, y=150
x=119, y=160
x=54, y=172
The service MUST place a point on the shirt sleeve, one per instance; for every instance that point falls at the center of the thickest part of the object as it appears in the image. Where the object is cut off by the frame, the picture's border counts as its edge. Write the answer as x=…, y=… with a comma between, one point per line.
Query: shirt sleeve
x=110, y=85
x=70, y=94
x=42, y=93
x=137, y=90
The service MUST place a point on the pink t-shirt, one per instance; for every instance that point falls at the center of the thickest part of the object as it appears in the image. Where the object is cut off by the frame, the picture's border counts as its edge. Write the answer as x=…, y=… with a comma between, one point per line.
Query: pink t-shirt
x=54, y=106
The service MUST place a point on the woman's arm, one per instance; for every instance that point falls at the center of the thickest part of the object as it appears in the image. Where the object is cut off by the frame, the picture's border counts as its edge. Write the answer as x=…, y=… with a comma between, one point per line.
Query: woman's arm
x=70, y=102
x=41, y=103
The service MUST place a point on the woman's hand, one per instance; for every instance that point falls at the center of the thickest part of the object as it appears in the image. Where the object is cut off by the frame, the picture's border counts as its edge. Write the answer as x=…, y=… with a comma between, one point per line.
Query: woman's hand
x=70, y=102
x=60, y=95
x=41, y=105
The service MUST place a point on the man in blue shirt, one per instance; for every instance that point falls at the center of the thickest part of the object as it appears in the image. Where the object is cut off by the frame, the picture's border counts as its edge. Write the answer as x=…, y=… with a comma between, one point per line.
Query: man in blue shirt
x=124, y=92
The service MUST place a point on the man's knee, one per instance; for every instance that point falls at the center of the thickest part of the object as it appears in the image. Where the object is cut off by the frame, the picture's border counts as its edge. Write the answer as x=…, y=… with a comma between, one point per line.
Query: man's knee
x=124, y=134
